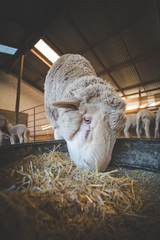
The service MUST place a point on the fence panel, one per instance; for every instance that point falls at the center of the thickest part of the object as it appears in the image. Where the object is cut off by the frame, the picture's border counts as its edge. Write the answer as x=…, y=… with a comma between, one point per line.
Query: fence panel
x=38, y=124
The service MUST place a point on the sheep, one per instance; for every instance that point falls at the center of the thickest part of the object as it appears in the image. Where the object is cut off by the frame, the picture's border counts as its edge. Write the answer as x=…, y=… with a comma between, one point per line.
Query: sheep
x=157, y=124
x=84, y=110
x=21, y=131
x=130, y=123
x=143, y=120
x=4, y=128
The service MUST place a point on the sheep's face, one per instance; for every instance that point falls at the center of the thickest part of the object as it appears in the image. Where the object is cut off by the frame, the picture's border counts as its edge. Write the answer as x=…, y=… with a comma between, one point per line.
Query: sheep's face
x=91, y=142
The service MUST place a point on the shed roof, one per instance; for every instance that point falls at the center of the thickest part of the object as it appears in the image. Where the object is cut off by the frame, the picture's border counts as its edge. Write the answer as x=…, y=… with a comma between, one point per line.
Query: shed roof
x=120, y=38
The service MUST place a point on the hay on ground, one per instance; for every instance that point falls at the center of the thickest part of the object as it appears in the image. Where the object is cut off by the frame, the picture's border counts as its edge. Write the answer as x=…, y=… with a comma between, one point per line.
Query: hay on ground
x=54, y=198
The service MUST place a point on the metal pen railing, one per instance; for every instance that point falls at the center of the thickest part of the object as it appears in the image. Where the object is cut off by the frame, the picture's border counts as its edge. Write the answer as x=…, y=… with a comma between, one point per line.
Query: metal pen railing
x=39, y=126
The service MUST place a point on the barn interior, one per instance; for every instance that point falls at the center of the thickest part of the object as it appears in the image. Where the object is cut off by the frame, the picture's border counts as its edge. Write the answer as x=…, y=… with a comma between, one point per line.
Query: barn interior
x=121, y=40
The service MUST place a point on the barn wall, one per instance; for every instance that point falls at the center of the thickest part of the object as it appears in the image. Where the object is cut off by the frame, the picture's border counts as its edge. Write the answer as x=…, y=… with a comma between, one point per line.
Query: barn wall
x=30, y=96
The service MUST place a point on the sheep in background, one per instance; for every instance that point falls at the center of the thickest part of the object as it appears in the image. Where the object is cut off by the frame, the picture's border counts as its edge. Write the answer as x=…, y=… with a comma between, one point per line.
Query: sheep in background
x=4, y=128
x=130, y=123
x=143, y=120
x=157, y=124
x=21, y=131
x=84, y=110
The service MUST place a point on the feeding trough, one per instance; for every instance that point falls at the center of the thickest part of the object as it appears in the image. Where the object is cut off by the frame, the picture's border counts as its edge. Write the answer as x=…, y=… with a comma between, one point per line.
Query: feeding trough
x=44, y=196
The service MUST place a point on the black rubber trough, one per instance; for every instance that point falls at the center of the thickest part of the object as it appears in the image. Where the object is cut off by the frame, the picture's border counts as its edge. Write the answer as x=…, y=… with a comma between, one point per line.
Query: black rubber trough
x=130, y=153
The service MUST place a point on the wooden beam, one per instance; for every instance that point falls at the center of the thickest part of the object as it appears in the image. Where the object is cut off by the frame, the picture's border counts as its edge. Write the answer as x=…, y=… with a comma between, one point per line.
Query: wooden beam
x=157, y=80
x=34, y=72
x=41, y=58
x=93, y=52
x=132, y=60
x=9, y=43
x=19, y=90
x=121, y=28
x=53, y=45
x=133, y=64
x=139, y=98
x=150, y=90
x=33, y=85
x=34, y=36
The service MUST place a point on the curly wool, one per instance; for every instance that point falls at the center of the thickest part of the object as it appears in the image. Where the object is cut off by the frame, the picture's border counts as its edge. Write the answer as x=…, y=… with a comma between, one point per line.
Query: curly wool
x=73, y=76
x=90, y=88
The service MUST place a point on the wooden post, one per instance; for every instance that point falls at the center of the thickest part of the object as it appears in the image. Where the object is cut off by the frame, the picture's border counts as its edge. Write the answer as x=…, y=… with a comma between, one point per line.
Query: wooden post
x=139, y=99
x=19, y=90
x=34, y=121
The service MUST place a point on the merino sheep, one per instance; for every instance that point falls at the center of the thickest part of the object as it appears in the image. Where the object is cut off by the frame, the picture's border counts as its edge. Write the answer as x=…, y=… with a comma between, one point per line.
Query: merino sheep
x=130, y=123
x=157, y=124
x=21, y=131
x=143, y=120
x=84, y=110
x=4, y=128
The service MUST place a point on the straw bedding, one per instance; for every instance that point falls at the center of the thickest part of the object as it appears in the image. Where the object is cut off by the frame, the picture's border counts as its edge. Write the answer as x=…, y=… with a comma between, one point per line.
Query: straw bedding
x=50, y=198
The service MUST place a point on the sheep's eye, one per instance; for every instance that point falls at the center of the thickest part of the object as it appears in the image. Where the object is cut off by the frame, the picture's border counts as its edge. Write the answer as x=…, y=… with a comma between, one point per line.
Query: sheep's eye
x=87, y=120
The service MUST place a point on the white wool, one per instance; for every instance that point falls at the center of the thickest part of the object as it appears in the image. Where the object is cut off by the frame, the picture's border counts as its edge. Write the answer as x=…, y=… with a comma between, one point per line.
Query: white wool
x=84, y=110
x=130, y=123
x=21, y=131
x=143, y=120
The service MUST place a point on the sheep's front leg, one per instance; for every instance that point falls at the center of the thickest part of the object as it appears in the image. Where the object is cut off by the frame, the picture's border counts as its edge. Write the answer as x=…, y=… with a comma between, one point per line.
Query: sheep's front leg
x=146, y=127
x=126, y=131
x=12, y=139
x=138, y=129
x=157, y=135
x=21, y=140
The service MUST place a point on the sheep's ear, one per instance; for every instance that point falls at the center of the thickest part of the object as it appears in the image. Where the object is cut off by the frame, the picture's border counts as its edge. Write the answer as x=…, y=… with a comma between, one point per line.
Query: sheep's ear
x=71, y=103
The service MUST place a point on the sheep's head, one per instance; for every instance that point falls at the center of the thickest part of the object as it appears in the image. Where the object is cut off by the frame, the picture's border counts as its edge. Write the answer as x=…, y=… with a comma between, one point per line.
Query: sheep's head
x=90, y=130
